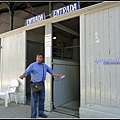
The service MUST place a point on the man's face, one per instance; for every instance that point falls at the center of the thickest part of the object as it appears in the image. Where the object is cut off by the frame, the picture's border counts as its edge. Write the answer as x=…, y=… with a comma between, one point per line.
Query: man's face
x=39, y=58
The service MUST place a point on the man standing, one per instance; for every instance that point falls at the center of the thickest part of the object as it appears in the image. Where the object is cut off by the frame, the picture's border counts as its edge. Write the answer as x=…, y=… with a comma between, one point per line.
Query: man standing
x=38, y=73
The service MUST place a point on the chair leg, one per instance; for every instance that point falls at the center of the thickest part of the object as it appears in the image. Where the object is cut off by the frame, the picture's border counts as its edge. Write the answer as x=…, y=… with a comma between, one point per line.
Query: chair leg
x=6, y=100
x=9, y=98
x=15, y=98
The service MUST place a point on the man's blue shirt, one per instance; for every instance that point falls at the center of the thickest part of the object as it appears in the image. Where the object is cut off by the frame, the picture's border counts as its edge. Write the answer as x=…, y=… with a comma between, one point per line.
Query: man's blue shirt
x=36, y=71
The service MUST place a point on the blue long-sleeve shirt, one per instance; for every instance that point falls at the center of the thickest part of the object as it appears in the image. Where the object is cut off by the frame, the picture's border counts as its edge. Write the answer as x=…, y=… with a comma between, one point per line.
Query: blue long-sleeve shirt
x=36, y=71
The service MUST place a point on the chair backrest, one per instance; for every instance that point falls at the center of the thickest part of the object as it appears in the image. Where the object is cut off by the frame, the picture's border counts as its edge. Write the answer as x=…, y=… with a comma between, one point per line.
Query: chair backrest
x=14, y=83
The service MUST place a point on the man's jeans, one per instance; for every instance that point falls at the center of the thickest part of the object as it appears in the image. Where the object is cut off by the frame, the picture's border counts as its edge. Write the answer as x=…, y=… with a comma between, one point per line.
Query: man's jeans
x=37, y=97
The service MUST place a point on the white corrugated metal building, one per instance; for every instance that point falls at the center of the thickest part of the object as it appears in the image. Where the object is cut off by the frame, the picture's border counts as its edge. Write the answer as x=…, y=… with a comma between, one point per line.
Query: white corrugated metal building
x=96, y=86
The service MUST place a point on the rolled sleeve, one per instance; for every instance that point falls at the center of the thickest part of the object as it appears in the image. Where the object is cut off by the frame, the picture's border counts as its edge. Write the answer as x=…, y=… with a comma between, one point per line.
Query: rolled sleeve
x=49, y=70
x=29, y=69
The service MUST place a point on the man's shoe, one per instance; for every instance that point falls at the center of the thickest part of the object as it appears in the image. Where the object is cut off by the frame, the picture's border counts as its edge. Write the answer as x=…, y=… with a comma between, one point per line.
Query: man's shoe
x=42, y=115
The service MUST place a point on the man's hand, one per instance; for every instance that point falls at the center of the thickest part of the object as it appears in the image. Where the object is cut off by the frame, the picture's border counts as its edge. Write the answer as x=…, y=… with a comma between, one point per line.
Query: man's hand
x=23, y=76
x=60, y=76
x=56, y=75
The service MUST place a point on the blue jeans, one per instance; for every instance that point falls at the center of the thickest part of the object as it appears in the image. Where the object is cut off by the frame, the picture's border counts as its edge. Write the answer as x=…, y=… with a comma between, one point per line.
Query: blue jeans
x=37, y=97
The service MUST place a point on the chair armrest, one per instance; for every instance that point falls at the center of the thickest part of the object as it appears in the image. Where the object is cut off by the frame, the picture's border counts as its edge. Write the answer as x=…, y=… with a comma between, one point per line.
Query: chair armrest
x=11, y=86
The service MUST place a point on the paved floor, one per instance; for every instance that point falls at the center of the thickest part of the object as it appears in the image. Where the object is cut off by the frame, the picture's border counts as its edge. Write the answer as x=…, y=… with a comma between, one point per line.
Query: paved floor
x=70, y=108
x=23, y=111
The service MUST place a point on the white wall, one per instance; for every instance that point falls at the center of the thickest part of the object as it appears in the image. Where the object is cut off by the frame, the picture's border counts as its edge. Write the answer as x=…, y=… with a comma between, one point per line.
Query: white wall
x=13, y=62
x=102, y=83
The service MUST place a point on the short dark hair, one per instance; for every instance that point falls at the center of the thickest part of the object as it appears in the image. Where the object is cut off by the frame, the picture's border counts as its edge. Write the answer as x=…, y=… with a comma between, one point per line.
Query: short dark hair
x=40, y=54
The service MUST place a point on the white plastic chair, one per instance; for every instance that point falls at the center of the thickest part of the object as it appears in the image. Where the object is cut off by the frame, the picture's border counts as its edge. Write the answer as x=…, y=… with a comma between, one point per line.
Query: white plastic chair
x=11, y=90
x=5, y=93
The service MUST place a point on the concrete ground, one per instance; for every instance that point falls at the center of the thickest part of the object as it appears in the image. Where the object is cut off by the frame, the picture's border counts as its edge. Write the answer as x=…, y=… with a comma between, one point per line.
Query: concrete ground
x=21, y=111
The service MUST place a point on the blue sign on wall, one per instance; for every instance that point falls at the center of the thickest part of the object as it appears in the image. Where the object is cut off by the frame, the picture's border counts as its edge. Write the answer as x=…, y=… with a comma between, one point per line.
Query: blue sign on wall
x=35, y=19
x=66, y=9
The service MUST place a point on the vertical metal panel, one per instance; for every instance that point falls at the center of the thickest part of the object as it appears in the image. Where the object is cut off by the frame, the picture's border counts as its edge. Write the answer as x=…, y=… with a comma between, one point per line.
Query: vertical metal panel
x=101, y=50
x=106, y=56
x=91, y=48
x=88, y=82
x=96, y=56
x=48, y=61
x=82, y=62
x=117, y=52
x=112, y=56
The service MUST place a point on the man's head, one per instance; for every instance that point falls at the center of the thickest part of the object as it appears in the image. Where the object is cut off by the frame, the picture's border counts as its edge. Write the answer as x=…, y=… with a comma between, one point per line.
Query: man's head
x=39, y=57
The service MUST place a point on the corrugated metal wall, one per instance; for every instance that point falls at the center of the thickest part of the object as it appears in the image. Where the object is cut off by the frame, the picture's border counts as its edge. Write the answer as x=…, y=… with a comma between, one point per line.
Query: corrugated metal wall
x=67, y=89
x=102, y=81
x=13, y=61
